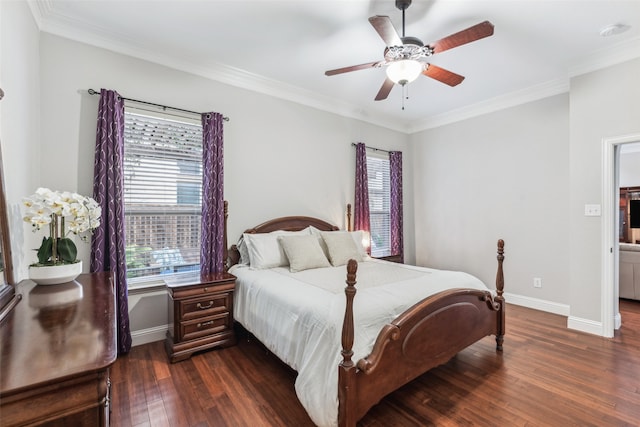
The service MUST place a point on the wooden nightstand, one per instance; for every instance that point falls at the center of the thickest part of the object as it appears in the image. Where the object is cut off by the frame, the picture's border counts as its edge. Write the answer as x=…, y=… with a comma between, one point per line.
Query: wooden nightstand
x=200, y=315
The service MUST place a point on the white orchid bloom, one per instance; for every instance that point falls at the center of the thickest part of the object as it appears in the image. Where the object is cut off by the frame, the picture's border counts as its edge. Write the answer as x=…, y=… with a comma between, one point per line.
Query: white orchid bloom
x=62, y=212
x=39, y=221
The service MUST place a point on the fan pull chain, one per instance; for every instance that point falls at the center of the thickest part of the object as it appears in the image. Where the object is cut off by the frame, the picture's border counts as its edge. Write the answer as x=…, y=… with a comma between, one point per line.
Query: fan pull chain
x=405, y=94
x=404, y=88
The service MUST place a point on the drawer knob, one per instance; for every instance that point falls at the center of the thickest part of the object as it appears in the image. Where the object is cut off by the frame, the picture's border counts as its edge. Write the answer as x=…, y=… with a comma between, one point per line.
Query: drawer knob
x=207, y=323
x=204, y=307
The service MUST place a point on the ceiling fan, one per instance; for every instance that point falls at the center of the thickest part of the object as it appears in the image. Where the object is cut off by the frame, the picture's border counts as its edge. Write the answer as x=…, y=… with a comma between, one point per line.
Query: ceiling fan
x=405, y=56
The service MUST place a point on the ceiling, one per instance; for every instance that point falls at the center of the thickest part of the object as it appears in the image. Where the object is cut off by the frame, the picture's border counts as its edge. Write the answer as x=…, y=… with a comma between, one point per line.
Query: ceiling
x=283, y=47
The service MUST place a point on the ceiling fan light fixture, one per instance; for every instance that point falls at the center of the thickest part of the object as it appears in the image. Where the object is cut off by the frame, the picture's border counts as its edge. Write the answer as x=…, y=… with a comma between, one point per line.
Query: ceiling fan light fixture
x=404, y=71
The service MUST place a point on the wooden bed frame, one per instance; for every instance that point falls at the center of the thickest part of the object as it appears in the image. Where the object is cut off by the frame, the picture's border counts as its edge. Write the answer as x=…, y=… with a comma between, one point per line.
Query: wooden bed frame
x=428, y=334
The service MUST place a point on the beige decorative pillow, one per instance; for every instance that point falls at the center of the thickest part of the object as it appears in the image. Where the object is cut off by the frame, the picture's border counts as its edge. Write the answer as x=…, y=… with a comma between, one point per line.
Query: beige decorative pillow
x=341, y=247
x=303, y=252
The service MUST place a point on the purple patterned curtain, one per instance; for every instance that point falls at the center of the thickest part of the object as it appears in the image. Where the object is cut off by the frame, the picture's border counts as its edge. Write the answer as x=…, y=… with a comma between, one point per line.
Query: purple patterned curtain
x=395, y=178
x=107, y=244
x=361, y=208
x=212, y=242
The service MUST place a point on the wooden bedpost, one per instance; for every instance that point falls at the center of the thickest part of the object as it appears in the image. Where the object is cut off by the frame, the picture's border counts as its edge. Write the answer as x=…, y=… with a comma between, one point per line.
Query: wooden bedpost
x=499, y=298
x=349, y=217
x=225, y=251
x=347, y=369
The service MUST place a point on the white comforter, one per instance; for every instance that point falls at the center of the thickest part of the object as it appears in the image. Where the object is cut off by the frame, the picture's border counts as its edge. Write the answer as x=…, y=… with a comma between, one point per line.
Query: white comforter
x=298, y=316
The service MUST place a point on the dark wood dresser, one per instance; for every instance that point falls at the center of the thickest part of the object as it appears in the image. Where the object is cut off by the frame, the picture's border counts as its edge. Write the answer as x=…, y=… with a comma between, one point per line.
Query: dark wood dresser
x=200, y=314
x=57, y=346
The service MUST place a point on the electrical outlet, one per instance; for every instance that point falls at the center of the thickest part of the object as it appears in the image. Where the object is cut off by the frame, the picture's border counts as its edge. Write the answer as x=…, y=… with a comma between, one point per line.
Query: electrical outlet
x=537, y=282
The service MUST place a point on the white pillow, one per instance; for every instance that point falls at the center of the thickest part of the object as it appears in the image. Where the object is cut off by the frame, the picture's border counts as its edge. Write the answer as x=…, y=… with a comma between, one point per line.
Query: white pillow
x=303, y=252
x=341, y=246
x=265, y=250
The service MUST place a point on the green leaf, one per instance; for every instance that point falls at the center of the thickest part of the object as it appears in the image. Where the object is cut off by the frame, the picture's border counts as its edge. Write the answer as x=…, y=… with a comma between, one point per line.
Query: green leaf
x=67, y=250
x=45, y=250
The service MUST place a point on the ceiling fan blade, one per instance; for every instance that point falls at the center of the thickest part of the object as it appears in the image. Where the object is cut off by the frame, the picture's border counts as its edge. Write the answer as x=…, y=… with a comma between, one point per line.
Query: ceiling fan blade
x=471, y=34
x=386, y=30
x=442, y=75
x=352, y=68
x=385, y=89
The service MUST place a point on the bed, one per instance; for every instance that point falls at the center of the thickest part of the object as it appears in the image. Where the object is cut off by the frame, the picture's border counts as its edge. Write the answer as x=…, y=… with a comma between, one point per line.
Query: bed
x=350, y=351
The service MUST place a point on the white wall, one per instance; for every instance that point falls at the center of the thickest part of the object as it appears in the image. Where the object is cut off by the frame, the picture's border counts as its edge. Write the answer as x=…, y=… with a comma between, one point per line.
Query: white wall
x=500, y=175
x=603, y=104
x=525, y=174
x=552, y=149
x=19, y=120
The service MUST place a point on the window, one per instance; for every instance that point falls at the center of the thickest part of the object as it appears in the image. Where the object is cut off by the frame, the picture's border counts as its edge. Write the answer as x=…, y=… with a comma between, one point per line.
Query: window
x=379, y=205
x=162, y=193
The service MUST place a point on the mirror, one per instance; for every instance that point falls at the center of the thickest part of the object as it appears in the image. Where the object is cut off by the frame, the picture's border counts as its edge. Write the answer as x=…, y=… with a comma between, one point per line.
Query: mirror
x=8, y=297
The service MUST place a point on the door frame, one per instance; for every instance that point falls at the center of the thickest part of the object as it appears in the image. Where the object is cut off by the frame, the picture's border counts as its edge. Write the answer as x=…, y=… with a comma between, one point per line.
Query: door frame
x=610, y=248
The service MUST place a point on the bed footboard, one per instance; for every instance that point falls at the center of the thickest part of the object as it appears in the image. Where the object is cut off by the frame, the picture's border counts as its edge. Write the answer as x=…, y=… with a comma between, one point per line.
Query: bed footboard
x=423, y=337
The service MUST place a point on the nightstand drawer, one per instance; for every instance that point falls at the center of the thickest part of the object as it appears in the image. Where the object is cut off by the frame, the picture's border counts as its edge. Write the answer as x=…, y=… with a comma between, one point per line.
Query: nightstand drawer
x=206, y=326
x=205, y=306
x=201, y=289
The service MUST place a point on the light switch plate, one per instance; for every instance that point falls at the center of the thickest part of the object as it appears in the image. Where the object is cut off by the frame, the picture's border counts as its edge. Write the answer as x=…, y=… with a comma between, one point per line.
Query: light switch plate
x=592, y=210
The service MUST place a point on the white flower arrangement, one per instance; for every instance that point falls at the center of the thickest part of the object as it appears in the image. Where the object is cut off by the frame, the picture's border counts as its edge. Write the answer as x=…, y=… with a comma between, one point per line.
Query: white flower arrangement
x=63, y=212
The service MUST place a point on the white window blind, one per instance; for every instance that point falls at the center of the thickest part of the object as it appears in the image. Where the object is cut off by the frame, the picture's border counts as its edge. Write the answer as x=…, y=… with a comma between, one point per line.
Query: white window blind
x=162, y=193
x=379, y=205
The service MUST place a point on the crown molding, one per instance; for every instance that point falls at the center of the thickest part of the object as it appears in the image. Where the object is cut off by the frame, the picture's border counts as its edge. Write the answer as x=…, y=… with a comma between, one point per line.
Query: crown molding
x=40, y=9
x=239, y=78
x=619, y=53
x=51, y=21
x=508, y=100
x=603, y=58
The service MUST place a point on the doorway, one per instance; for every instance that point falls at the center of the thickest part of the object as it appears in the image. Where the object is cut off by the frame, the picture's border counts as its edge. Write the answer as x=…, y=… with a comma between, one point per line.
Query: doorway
x=612, y=148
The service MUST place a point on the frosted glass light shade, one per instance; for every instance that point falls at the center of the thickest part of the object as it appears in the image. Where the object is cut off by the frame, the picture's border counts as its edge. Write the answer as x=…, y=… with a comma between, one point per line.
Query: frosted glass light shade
x=404, y=71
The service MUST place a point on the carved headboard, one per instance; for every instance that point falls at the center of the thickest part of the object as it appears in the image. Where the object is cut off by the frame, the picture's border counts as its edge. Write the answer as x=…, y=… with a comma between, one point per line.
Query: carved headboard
x=286, y=223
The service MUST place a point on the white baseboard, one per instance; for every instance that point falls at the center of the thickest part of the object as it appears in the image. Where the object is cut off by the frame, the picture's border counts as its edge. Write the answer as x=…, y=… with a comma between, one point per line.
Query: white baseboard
x=585, y=325
x=537, y=304
x=145, y=336
x=576, y=323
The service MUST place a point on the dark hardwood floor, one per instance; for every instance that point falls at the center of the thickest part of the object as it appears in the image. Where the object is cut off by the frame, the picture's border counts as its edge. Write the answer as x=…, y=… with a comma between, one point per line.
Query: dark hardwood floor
x=547, y=376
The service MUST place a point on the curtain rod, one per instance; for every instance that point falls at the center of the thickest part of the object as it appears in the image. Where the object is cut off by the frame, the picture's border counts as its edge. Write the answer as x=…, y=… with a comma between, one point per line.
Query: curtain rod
x=93, y=92
x=372, y=148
